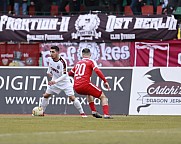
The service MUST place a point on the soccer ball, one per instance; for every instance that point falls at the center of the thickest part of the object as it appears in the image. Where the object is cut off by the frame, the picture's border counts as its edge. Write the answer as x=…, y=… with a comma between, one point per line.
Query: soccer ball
x=37, y=111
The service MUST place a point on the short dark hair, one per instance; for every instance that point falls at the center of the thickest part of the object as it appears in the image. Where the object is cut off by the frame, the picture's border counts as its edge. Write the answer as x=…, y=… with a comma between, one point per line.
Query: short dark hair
x=86, y=51
x=56, y=48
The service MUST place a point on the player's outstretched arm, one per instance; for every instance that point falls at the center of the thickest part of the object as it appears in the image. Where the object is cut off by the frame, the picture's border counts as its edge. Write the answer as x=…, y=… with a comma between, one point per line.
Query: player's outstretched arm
x=51, y=83
x=101, y=75
x=107, y=86
x=61, y=78
x=49, y=74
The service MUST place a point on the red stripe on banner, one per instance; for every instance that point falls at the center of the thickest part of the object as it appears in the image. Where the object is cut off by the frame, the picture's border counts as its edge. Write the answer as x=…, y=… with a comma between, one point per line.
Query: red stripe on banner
x=156, y=53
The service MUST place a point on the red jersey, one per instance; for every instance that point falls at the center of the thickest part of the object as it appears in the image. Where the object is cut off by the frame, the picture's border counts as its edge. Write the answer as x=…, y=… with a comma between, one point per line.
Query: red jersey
x=83, y=70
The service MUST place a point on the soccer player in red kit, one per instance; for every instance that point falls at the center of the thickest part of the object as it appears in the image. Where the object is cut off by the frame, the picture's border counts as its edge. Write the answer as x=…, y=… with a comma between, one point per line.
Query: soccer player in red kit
x=82, y=72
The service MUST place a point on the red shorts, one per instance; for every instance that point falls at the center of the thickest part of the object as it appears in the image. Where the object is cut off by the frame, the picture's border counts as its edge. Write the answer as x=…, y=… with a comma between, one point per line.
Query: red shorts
x=89, y=89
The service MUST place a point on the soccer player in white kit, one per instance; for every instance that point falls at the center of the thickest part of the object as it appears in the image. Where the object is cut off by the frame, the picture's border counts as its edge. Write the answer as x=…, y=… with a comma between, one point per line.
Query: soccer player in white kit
x=60, y=81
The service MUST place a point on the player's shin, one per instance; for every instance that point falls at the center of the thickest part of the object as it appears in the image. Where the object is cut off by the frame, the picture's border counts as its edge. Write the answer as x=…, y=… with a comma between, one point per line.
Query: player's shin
x=92, y=106
x=105, y=109
x=79, y=107
x=90, y=99
x=105, y=106
x=44, y=103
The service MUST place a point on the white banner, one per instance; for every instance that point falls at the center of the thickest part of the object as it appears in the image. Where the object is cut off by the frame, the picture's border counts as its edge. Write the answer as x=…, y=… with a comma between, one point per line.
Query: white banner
x=155, y=91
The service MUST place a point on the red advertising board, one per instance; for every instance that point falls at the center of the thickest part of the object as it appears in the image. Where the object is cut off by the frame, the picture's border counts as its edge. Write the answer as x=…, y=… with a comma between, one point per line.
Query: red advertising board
x=156, y=53
x=19, y=54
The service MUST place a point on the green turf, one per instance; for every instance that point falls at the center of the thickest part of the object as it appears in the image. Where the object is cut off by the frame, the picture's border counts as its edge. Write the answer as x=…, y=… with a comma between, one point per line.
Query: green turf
x=16, y=129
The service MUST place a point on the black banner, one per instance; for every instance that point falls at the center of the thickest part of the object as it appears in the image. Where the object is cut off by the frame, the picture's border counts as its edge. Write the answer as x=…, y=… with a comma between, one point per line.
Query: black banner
x=87, y=27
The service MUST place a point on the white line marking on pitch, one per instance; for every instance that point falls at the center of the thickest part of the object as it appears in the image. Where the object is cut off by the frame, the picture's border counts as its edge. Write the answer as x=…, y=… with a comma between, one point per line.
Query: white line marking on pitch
x=86, y=131
x=68, y=132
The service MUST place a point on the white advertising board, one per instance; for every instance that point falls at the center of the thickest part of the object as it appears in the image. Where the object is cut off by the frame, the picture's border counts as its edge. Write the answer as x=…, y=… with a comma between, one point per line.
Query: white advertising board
x=155, y=91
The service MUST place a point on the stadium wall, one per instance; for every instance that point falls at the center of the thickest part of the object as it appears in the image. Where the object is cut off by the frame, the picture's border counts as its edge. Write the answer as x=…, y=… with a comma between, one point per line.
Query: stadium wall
x=134, y=91
x=22, y=89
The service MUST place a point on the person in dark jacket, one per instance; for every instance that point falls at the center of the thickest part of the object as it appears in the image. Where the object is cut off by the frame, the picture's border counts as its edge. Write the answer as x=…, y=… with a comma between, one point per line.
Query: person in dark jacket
x=172, y=6
x=136, y=6
x=3, y=6
x=117, y=6
x=74, y=5
x=42, y=7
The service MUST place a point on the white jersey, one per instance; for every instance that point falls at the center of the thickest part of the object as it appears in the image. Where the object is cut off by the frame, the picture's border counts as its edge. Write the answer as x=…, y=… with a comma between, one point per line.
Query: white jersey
x=58, y=69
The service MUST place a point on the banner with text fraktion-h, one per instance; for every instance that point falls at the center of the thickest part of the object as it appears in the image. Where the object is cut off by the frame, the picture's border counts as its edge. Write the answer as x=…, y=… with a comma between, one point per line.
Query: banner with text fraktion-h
x=87, y=27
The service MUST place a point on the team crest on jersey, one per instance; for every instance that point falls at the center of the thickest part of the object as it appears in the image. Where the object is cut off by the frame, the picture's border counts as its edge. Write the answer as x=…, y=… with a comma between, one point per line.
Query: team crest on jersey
x=94, y=48
x=86, y=26
x=58, y=67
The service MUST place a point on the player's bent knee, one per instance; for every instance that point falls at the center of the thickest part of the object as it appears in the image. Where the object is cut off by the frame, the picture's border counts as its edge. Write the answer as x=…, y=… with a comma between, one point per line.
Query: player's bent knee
x=46, y=95
x=102, y=97
x=72, y=98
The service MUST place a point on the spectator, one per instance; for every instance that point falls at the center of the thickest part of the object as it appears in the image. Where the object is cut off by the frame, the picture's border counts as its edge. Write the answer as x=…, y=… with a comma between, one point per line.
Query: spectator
x=42, y=7
x=172, y=5
x=17, y=7
x=58, y=3
x=154, y=2
x=117, y=6
x=63, y=4
x=24, y=7
x=136, y=7
x=17, y=4
x=164, y=5
x=11, y=3
x=3, y=5
x=179, y=3
x=128, y=2
x=96, y=5
x=74, y=5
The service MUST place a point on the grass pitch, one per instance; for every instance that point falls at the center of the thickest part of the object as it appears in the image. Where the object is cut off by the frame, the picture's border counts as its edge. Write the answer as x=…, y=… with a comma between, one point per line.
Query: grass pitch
x=51, y=129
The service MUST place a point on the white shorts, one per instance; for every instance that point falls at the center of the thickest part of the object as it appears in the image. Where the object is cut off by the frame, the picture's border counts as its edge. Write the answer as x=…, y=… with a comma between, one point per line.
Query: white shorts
x=67, y=87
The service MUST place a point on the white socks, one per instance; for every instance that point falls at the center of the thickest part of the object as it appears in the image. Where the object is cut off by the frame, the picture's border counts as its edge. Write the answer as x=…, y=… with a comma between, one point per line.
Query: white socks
x=44, y=103
x=78, y=105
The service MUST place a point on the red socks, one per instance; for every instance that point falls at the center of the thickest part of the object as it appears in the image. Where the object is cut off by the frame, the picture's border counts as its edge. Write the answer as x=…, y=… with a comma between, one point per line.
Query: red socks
x=92, y=106
x=105, y=109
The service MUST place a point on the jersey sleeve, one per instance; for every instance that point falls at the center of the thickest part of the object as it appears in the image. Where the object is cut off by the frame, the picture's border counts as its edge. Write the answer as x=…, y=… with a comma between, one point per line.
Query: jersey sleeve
x=98, y=71
x=94, y=64
x=64, y=72
x=64, y=65
x=61, y=78
x=49, y=69
x=100, y=74
x=71, y=72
